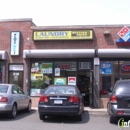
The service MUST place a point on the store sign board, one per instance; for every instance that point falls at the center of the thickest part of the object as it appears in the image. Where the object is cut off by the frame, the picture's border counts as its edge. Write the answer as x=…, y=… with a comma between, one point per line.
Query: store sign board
x=106, y=68
x=124, y=33
x=16, y=67
x=63, y=35
x=15, y=43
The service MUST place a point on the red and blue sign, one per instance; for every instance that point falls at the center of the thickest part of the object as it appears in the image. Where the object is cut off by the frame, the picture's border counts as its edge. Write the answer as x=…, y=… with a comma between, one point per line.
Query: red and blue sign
x=124, y=35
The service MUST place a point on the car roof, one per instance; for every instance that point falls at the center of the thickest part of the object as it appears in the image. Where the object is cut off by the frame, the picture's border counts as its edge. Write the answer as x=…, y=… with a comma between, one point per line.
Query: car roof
x=123, y=80
x=62, y=85
x=7, y=84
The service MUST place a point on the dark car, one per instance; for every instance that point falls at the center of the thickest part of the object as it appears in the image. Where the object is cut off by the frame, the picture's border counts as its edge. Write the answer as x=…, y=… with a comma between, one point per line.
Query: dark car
x=61, y=100
x=119, y=101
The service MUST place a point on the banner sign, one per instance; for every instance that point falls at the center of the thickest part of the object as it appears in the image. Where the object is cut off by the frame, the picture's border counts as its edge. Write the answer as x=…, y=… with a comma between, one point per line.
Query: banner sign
x=15, y=43
x=63, y=35
x=106, y=68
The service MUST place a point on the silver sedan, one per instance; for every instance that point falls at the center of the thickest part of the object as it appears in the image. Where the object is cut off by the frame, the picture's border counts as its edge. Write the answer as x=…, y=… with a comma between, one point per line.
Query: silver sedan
x=13, y=99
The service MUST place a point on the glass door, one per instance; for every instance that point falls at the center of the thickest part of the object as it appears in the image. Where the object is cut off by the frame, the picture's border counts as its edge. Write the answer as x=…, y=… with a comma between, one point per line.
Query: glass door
x=16, y=77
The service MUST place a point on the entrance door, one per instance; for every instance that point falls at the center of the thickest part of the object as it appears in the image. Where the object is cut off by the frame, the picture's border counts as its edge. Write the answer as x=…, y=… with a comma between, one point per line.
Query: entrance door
x=83, y=84
x=16, y=77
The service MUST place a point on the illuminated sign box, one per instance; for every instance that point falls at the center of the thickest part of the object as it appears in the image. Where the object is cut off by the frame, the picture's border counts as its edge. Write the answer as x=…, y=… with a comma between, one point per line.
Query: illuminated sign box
x=15, y=43
x=63, y=35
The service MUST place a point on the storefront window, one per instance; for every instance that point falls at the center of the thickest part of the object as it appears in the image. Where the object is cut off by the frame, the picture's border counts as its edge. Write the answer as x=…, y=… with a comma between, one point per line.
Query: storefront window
x=65, y=72
x=41, y=77
x=111, y=71
x=108, y=73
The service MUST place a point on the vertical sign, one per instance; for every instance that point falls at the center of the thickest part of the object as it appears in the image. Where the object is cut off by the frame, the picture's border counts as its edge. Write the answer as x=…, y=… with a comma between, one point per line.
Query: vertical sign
x=15, y=43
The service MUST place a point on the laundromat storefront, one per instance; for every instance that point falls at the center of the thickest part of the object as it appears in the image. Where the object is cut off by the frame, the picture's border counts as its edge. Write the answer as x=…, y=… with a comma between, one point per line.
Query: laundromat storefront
x=73, y=69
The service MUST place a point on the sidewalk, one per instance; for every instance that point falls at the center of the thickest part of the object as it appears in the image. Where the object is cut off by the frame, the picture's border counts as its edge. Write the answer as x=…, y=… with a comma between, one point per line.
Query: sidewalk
x=89, y=110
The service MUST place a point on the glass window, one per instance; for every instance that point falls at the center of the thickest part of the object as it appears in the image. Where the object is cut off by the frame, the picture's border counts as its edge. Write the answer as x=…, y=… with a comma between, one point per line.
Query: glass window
x=41, y=77
x=3, y=89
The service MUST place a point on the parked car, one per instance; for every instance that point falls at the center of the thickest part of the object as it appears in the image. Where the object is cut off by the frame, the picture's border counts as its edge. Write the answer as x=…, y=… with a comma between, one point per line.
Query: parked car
x=119, y=101
x=13, y=99
x=61, y=100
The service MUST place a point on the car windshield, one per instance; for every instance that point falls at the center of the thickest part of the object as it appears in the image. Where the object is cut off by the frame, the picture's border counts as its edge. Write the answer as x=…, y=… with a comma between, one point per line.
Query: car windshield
x=123, y=87
x=61, y=90
x=3, y=89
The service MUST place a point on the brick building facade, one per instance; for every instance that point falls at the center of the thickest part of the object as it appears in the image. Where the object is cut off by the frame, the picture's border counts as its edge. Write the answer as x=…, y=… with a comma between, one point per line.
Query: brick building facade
x=102, y=48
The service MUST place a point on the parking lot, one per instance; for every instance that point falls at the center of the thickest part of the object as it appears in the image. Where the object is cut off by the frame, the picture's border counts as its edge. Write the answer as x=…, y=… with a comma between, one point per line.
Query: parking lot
x=31, y=121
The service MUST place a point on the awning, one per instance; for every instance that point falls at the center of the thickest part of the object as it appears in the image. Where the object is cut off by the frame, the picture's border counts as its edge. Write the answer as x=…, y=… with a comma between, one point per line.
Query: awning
x=59, y=53
x=3, y=55
x=76, y=53
x=120, y=41
x=114, y=53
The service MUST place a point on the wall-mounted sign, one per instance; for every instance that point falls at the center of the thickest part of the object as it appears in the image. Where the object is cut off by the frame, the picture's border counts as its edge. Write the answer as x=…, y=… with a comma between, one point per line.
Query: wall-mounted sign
x=63, y=35
x=72, y=80
x=106, y=68
x=124, y=35
x=64, y=66
x=15, y=43
x=16, y=67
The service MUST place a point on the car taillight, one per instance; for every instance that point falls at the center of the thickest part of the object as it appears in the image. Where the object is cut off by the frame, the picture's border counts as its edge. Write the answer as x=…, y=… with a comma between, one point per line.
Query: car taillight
x=3, y=99
x=113, y=99
x=43, y=98
x=120, y=112
x=73, y=99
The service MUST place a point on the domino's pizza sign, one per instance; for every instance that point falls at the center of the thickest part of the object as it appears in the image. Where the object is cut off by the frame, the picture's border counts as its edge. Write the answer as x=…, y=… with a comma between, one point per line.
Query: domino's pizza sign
x=124, y=33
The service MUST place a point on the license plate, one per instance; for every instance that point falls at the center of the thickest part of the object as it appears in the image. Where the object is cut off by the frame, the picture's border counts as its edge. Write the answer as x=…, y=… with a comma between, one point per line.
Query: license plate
x=58, y=101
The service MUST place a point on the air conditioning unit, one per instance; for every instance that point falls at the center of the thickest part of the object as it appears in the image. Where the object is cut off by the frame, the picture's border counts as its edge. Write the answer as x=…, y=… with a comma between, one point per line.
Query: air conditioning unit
x=84, y=65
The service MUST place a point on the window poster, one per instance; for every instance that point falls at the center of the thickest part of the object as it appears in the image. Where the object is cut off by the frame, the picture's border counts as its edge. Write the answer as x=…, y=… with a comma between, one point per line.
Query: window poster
x=60, y=80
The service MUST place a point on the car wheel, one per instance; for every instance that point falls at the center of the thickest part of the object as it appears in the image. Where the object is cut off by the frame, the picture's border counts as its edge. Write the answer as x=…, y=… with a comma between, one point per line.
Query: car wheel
x=108, y=108
x=79, y=117
x=113, y=119
x=13, y=112
x=29, y=106
x=42, y=117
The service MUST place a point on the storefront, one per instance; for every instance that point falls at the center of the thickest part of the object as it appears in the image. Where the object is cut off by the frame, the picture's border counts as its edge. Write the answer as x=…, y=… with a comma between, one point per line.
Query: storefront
x=74, y=68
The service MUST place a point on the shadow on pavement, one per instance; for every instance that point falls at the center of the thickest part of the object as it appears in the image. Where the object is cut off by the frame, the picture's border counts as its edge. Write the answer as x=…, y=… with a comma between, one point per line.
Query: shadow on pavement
x=20, y=115
x=67, y=119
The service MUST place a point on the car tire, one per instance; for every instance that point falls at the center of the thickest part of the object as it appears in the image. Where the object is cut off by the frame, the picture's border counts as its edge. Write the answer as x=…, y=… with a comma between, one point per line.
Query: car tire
x=13, y=112
x=42, y=117
x=29, y=106
x=112, y=119
x=79, y=117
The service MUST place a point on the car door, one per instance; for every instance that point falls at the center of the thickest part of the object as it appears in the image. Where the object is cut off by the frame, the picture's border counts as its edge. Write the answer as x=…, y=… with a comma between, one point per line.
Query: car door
x=24, y=98
x=17, y=97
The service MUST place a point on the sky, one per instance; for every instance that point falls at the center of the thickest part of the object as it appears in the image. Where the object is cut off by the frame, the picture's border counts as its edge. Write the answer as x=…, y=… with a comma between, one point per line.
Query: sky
x=67, y=12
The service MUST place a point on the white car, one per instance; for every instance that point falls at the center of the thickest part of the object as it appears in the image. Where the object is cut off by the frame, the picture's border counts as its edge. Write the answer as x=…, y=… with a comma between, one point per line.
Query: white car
x=13, y=99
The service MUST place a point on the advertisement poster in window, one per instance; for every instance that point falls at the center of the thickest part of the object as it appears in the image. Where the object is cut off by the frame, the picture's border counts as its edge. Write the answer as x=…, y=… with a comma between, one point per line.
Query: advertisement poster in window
x=60, y=80
x=106, y=68
x=57, y=71
x=72, y=80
